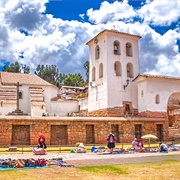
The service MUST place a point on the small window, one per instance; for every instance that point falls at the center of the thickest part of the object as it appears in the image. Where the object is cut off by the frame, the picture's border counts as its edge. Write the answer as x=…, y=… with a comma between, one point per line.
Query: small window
x=97, y=52
x=138, y=130
x=157, y=99
x=101, y=70
x=20, y=95
x=93, y=74
x=127, y=109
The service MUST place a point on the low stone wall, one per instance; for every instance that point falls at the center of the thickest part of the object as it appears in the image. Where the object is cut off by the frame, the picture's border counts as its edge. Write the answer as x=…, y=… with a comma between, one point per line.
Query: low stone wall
x=69, y=130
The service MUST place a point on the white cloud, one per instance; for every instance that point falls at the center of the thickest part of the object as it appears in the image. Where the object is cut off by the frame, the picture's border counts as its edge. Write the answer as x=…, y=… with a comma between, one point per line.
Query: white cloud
x=111, y=12
x=168, y=67
x=160, y=12
x=63, y=43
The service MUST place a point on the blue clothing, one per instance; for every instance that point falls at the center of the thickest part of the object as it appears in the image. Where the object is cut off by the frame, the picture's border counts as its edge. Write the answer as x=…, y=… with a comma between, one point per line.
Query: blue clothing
x=163, y=148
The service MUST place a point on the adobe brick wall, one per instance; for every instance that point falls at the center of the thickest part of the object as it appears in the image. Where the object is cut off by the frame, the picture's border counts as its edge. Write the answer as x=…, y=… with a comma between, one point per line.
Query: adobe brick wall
x=152, y=114
x=115, y=111
x=76, y=129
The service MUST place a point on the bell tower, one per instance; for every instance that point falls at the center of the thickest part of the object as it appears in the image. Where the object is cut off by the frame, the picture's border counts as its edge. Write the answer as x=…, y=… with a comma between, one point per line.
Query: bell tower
x=113, y=64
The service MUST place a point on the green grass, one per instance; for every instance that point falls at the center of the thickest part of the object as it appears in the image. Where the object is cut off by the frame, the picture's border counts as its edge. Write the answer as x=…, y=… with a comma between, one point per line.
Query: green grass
x=111, y=169
x=142, y=171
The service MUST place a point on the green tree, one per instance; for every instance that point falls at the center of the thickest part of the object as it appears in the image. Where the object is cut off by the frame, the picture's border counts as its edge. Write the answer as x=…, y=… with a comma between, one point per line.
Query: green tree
x=16, y=67
x=13, y=67
x=26, y=69
x=86, y=67
x=74, y=80
x=60, y=79
x=49, y=73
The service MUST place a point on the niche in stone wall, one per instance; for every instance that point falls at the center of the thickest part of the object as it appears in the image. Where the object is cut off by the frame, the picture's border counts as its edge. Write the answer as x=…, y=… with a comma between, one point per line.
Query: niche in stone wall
x=89, y=134
x=20, y=135
x=160, y=132
x=115, y=131
x=138, y=130
x=59, y=135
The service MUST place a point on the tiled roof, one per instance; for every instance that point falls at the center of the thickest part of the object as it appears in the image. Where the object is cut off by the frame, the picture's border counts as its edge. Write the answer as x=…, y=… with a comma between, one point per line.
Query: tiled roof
x=157, y=76
x=9, y=78
x=113, y=31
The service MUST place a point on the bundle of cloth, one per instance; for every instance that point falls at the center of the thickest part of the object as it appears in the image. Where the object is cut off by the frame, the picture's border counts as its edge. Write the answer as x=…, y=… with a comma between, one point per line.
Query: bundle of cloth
x=80, y=148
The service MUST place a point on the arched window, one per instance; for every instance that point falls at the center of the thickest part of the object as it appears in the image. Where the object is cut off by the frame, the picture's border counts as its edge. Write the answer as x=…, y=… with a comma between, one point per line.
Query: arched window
x=157, y=99
x=20, y=95
x=130, y=71
x=117, y=68
x=129, y=49
x=97, y=52
x=117, y=48
x=101, y=70
x=93, y=74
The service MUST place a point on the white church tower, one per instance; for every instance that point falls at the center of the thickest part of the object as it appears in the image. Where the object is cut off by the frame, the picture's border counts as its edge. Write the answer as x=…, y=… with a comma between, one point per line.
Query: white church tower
x=113, y=64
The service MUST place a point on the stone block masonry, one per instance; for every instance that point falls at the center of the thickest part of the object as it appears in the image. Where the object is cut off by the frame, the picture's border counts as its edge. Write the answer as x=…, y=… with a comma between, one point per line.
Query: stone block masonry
x=24, y=130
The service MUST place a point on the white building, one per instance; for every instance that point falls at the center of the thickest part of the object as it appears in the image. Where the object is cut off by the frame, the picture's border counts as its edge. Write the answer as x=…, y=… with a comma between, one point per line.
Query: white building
x=36, y=96
x=116, y=87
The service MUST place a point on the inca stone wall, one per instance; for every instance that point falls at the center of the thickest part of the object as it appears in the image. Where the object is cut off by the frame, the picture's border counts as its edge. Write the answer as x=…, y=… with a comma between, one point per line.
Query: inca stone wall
x=70, y=130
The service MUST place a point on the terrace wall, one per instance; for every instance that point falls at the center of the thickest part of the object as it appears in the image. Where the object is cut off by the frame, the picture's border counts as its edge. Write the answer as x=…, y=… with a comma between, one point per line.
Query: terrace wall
x=70, y=130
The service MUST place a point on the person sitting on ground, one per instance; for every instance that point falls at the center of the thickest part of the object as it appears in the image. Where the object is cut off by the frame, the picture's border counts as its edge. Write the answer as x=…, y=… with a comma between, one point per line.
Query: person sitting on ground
x=41, y=141
x=134, y=143
x=40, y=149
x=140, y=144
x=111, y=142
x=163, y=147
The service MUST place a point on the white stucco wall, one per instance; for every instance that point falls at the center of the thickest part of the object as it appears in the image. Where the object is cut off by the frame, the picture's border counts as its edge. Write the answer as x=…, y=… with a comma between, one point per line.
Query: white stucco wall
x=62, y=108
x=83, y=103
x=116, y=92
x=49, y=93
x=151, y=87
x=110, y=88
x=24, y=103
x=7, y=108
x=37, y=111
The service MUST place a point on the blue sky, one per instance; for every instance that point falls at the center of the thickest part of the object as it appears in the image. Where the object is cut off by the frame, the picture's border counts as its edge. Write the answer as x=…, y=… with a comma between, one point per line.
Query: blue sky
x=56, y=31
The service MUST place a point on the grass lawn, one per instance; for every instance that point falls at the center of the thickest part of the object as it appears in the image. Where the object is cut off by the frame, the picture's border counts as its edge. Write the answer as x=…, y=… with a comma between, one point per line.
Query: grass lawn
x=157, y=170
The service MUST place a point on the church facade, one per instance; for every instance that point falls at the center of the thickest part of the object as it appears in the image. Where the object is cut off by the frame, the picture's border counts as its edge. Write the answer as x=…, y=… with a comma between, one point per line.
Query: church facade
x=120, y=100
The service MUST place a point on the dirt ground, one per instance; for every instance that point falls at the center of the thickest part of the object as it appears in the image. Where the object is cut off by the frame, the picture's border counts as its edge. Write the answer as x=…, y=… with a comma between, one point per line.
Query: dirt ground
x=125, y=159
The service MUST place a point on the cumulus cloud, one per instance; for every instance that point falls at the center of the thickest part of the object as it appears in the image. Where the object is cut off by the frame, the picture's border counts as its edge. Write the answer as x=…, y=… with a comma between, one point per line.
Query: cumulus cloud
x=26, y=31
x=111, y=12
x=160, y=12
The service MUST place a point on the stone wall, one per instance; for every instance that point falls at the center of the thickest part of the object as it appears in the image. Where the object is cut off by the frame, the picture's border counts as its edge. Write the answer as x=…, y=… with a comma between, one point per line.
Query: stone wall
x=75, y=128
x=123, y=111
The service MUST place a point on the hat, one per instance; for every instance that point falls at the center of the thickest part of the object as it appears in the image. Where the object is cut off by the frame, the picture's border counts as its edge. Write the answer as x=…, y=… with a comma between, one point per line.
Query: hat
x=111, y=134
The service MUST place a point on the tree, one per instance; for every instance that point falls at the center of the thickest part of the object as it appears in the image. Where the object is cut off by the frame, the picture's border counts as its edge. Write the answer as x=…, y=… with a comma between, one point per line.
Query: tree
x=86, y=67
x=74, y=80
x=15, y=67
x=26, y=69
x=49, y=73
x=60, y=79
